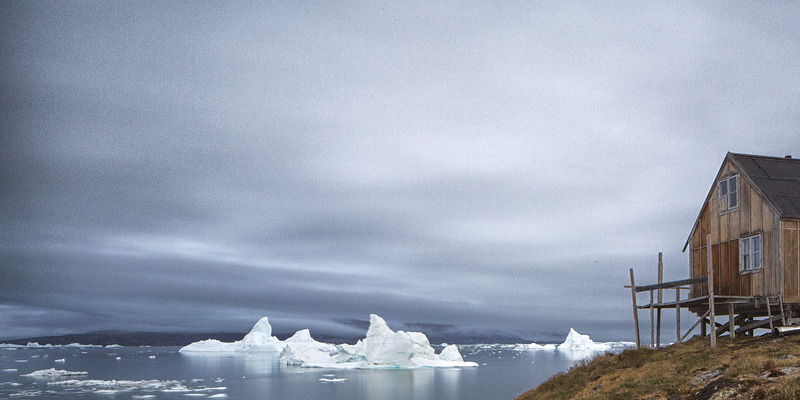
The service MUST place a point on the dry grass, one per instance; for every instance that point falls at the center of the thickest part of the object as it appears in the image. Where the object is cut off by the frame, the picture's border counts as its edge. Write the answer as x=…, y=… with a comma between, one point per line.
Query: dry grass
x=667, y=372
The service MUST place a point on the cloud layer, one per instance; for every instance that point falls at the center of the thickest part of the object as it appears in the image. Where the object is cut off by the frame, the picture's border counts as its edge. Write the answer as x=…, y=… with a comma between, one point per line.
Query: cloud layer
x=194, y=167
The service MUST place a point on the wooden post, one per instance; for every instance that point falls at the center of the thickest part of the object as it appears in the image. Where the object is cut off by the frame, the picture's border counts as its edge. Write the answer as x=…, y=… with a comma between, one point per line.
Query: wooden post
x=660, y=299
x=731, y=321
x=652, y=328
x=712, y=323
x=635, y=312
x=678, y=312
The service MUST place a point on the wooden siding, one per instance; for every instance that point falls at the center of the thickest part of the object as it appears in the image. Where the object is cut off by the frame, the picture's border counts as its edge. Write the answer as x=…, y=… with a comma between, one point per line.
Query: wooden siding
x=752, y=217
x=790, y=253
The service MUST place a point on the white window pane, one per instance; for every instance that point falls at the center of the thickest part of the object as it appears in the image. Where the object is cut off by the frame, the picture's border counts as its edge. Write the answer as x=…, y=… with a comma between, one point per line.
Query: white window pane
x=757, y=260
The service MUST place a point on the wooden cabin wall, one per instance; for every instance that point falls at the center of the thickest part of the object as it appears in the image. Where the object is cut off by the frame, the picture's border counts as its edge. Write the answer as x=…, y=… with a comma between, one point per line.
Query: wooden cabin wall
x=752, y=217
x=790, y=254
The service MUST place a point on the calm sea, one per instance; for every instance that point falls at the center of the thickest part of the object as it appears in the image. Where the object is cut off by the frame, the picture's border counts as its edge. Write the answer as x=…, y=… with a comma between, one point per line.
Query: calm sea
x=164, y=373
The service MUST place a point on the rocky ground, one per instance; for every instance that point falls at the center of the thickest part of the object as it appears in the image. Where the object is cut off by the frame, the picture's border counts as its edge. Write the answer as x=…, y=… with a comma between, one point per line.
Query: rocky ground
x=745, y=368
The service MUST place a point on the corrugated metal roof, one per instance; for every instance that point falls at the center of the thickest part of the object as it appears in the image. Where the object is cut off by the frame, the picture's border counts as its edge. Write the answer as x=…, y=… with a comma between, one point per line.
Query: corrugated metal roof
x=777, y=178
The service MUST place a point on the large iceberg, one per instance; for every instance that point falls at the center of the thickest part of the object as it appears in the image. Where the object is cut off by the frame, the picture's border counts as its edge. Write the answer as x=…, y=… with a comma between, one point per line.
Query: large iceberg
x=259, y=339
x=381, y=348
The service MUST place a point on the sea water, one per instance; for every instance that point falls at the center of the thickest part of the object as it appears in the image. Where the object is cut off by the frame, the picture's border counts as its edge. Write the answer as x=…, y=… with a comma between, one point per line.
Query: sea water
x=504, y=372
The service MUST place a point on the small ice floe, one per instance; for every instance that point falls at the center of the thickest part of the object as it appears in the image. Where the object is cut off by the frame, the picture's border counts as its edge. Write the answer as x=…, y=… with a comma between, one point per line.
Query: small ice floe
x=111, y=346
x=10, y=370
x=60, y=360
x=143, y=396
x=118, y=358
x=53, y=373
x=97, y=386
x=152, y=357
x=332, y=379
x=218, y=396
x=20, y=360
x=10, y=384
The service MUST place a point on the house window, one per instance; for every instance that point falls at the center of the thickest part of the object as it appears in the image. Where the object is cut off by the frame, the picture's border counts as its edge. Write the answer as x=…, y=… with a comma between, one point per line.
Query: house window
x=750, y=253
x=729, y=193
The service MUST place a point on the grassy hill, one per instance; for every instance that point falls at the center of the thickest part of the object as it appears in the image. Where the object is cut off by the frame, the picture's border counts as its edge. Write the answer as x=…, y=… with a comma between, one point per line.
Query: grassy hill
x=745, y=368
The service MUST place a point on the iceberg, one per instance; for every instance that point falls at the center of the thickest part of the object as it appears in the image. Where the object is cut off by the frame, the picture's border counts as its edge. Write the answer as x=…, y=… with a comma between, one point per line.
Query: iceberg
x=381, y=348
x=259, y=339
x=576, y=341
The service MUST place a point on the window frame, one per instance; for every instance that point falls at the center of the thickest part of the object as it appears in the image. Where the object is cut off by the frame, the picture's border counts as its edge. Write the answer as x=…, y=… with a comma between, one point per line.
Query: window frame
x=725, y=194
x=751, y=250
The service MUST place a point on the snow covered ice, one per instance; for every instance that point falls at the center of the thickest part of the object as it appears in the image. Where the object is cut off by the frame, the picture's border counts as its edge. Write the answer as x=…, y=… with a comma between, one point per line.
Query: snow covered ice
x=53, y=373
x=259, y=339
x=576, y=342
x=381, y=348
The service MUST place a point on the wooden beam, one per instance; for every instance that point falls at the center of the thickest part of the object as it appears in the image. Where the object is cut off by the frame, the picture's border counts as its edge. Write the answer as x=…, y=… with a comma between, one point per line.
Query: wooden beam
x=757, y=324
x=652, y=320
x=678, y=314
x=660, y=298
x=711, y=292
x=701, y=319
x=635, y=311
x=671, y=284
x=731, y=321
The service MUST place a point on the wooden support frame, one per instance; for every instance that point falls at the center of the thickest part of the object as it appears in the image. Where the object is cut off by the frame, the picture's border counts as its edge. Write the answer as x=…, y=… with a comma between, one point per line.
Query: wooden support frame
x=635, y=311
x=711, y=310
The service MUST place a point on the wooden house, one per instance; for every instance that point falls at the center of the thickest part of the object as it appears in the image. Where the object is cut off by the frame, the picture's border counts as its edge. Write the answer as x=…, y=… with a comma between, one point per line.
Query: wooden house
x=752, y=217
x=744, y=253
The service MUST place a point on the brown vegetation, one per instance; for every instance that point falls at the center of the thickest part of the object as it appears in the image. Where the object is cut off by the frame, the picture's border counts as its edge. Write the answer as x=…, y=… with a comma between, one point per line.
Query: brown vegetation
x=744, y=368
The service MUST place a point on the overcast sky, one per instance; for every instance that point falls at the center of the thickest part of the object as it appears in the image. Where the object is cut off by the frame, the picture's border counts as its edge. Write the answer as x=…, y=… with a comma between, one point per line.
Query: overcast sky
x=486, y=166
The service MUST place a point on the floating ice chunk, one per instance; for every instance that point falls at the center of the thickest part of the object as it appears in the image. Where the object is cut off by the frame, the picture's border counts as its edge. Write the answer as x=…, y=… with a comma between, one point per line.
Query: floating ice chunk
x=535, y=346
x=100, y=385
x=576, y=341
x=10, y=370
x=382, y=348
x=54, y=373
x=151, y=357
x=259, y=339
x=332, y=379
x=60, y=360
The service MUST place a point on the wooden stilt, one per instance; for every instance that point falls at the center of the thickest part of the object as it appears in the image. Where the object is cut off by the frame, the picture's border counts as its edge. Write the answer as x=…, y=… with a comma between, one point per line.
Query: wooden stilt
x=652, y=329
x=769, y=313
x=660, y=298
x=783, y=315
x=712, y=322
x=635, y=312
x=678, y=313
x=731, y=321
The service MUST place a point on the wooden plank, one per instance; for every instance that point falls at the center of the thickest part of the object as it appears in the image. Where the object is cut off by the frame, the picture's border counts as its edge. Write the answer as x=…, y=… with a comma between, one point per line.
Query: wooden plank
x=703, y=328
x=711, y=297
x=756, y=213
x=672, y=284
x=678, y=314
x=652, y=323
x=720, y=279
x=744, y=208
x=791, y=255
x=635, y=311
x=660, y=298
